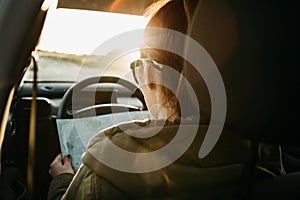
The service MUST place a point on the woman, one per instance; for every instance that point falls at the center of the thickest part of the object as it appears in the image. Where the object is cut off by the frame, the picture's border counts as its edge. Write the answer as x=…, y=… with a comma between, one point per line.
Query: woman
x=159, y=75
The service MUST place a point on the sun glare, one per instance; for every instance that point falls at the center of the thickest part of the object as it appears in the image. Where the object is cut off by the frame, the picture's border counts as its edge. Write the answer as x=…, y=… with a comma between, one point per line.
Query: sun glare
x=81, y=32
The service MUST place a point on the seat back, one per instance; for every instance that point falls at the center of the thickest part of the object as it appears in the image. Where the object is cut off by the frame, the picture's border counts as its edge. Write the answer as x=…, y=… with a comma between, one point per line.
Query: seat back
x=251, y=45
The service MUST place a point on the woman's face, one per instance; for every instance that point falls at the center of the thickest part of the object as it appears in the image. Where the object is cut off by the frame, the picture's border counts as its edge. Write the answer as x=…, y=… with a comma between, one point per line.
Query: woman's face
x=155, y=81
x=148, y=78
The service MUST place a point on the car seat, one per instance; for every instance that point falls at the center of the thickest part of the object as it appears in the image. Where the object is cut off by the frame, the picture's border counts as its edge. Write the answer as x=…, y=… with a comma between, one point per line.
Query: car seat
x=251, y=44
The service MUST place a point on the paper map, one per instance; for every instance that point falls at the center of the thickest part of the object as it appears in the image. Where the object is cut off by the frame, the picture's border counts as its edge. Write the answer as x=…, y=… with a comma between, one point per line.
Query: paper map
x=74, y=134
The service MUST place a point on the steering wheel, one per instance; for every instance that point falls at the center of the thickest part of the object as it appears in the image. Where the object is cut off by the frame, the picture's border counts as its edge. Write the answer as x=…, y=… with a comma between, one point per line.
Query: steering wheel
x=66, y=110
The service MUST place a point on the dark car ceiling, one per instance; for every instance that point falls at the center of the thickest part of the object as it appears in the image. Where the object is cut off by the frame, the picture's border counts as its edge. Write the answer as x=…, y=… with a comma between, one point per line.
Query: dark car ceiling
x=135, y=7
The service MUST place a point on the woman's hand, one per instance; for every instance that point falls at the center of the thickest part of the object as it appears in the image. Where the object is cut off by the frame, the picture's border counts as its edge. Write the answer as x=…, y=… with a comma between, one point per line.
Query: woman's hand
x=61, y=166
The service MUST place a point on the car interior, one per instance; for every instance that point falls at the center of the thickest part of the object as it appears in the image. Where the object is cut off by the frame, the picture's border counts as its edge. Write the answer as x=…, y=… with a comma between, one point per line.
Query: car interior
x=52, y=62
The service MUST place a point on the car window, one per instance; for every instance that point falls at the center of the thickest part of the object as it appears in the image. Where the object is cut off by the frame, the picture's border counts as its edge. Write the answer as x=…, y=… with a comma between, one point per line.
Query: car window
x=69, y=40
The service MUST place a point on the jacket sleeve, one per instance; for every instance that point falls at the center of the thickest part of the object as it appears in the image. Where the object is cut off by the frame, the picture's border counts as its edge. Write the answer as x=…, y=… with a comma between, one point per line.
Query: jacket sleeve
x=59, y=186
x=88, y=185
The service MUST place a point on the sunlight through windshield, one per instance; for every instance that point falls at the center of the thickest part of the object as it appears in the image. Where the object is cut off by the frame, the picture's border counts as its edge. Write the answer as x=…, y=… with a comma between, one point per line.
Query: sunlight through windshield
x=80, y=31
x=70, y=37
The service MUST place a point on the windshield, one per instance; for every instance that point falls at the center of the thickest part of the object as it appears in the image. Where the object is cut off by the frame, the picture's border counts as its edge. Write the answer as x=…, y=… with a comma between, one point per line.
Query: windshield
x=70, y=38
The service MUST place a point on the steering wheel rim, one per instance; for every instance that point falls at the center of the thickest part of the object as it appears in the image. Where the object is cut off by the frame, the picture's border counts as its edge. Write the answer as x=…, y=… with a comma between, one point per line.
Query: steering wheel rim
x=67, y=98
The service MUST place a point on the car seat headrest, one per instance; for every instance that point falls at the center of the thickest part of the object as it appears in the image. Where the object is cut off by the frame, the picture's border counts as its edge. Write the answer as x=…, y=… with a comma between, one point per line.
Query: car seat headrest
x=248, y=42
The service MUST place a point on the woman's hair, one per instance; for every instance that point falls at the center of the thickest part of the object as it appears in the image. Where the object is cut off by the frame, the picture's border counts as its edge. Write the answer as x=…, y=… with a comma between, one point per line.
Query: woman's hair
x=168, y=14
x=174, y=15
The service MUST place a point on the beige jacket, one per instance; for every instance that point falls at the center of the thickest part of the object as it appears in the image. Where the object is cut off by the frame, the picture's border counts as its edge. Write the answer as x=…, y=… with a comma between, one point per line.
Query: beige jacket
x=184, y=178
